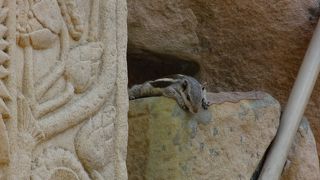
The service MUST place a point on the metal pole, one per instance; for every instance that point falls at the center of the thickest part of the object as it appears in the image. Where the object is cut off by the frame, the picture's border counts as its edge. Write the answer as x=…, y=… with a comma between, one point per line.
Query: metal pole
x=293, y=113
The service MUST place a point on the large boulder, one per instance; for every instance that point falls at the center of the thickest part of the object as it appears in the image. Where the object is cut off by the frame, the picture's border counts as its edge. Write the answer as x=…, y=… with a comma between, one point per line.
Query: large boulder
x=239, y=45
x=226, y=142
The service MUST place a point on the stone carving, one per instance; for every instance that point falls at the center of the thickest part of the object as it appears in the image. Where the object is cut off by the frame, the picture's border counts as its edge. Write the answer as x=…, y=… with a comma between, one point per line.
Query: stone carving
x=58, y=163
x=94, y=143
x=85, y=59
x=4, y=94
x=4, y=149
x=68, y=89
x=70, y=14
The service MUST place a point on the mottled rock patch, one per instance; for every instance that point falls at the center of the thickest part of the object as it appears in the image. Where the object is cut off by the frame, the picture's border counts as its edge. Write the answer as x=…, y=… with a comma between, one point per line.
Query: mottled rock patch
x=167, y=143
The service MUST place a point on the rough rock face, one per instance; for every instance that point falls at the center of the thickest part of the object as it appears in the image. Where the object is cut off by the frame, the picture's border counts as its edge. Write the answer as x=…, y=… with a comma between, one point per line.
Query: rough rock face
x=303, y=162
x=226, y=142
x=166, y=27
x=239, y=45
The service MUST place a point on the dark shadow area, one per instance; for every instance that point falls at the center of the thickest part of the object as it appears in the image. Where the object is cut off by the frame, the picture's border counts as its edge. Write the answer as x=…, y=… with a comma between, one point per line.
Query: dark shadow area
x=257, y=172
x=144, y=66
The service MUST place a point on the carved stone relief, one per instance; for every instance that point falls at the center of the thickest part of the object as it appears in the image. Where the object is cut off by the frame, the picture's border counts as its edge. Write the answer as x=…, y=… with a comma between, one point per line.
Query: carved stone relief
x=63, y=99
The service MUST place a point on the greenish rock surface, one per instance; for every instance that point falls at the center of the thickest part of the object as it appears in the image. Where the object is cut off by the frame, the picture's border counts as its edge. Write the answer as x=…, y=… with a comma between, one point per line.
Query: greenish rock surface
x=225, y=142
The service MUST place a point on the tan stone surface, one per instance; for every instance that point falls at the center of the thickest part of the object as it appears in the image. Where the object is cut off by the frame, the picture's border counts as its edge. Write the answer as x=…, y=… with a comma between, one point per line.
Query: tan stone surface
x=166, y=143
x=226, y=142
x=303, y=162
x=63, y=89
x=4, y=143
x=240, y=45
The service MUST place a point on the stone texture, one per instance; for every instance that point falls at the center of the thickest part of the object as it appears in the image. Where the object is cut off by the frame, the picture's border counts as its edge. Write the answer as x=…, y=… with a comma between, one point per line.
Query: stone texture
x=239, y=45
x=162, y=26
x=4, y=148
x=303, y=162
x=226, y=142
x=63, y=89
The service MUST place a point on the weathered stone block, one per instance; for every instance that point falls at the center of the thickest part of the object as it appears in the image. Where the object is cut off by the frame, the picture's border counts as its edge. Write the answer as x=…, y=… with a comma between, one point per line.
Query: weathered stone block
x=226, y=142
x=167, y=143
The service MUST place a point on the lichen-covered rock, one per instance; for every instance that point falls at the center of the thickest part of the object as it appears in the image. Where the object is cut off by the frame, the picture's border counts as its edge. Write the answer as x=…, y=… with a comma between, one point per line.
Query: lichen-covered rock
x=226, y=142
x=239, y=45
x=303, y=162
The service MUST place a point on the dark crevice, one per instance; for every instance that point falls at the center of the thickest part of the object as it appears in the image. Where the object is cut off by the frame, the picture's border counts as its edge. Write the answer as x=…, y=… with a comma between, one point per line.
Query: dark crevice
x=314, y=13
x=145, y=65
x=257, y=172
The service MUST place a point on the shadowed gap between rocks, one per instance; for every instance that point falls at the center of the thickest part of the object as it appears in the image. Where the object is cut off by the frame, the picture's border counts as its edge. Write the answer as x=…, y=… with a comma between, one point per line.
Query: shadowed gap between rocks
x=146, y=65
x=257, y=172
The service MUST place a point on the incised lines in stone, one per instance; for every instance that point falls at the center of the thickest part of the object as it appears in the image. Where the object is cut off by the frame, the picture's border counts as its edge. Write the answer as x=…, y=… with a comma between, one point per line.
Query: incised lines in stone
x=66, y=91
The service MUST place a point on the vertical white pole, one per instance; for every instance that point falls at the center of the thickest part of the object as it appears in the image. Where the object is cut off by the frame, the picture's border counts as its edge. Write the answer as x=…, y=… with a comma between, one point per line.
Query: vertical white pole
x=293, y=113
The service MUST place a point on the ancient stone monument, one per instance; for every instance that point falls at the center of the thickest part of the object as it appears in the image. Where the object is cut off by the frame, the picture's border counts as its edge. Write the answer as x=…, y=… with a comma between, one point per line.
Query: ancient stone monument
x=63, y=89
